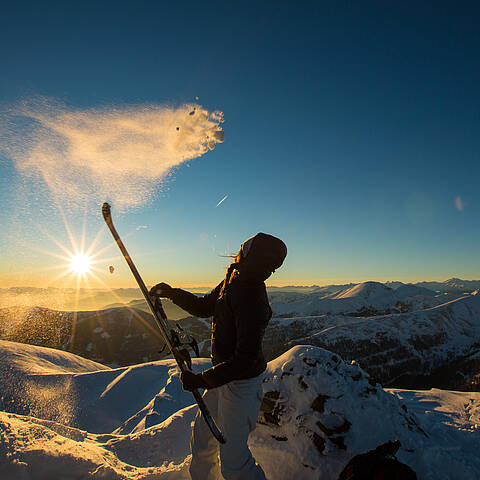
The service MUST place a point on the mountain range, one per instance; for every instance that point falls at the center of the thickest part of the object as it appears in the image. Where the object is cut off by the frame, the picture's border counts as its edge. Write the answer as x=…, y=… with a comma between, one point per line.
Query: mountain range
x=402, y=335
x=98, y=299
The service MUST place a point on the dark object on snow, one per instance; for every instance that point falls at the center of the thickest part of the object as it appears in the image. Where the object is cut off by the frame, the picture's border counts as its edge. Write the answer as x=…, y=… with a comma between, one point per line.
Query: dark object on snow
x=378, y=464
x=111, y=268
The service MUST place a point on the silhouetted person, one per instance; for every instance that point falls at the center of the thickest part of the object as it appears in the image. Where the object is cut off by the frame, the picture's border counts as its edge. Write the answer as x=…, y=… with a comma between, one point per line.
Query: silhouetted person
x=240, y=310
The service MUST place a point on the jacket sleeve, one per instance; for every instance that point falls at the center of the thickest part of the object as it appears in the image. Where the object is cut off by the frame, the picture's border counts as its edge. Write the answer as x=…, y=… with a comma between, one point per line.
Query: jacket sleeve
x=197, y=306
x=251, y=319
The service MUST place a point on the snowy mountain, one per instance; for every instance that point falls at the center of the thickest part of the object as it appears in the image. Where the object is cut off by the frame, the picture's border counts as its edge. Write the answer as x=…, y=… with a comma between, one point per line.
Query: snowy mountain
x=367, y=298
x=435, y=345
x=318, y=412
x=429, y=347
x=64, y=298
x=173, y=312
x=101, y=299
x=117, y=336
x=452, y=285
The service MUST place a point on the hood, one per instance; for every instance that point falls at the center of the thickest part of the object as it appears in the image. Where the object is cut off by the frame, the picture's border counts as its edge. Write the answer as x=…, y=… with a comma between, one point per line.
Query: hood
x=260, y=256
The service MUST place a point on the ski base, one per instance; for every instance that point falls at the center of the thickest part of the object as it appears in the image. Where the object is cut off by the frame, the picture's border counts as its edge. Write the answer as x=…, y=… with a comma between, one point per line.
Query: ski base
x=162, y=323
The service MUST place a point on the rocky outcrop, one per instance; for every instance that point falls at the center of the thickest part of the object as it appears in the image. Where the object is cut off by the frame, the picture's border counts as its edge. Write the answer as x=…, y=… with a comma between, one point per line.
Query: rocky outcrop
x=318, y=409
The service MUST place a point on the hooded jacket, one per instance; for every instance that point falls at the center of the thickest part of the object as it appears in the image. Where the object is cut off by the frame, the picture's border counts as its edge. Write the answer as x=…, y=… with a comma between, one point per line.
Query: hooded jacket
x=241, y=313
x=240, y=310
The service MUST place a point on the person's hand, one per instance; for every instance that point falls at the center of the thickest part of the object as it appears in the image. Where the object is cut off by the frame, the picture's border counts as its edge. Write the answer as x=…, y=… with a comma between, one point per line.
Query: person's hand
x=191, y=381
x=160, y=290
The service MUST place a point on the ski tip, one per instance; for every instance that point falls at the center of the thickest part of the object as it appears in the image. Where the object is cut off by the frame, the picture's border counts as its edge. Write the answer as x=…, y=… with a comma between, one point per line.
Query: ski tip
x=106, y=211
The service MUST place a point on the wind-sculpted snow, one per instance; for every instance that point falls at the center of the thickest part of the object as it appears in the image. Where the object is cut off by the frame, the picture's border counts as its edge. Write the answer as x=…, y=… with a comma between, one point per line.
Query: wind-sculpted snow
x=42, y=361
x=38, y=381
x=33, y=449
x=318, y=412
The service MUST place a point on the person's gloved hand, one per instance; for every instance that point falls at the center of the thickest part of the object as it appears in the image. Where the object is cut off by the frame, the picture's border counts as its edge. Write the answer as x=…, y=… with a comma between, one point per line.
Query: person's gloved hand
x=191, y=381
x=160, y=290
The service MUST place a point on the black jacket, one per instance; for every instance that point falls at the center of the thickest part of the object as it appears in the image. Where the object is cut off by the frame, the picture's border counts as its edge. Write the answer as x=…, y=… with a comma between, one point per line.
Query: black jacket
x=240, y=315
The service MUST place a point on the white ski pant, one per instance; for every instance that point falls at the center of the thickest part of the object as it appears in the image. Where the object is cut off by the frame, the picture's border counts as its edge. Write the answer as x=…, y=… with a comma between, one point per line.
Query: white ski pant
x=235, y=407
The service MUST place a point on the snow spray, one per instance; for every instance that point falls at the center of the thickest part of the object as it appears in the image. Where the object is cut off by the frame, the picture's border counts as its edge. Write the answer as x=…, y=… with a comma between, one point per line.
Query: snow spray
x=117, y=153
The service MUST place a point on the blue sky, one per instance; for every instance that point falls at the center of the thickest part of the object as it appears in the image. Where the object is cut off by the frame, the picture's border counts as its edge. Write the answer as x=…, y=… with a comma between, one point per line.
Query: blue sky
x=350, y=131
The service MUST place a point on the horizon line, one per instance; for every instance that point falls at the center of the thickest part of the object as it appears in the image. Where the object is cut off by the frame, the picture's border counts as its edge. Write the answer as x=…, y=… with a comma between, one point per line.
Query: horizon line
x=275, y=285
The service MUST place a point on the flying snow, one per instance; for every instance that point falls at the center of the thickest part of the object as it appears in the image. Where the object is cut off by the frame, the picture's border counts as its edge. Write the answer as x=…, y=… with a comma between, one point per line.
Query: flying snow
x=119, y=154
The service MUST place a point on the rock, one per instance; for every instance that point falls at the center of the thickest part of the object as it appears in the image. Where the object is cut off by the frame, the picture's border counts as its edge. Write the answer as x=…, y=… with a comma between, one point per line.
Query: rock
x=337, y=414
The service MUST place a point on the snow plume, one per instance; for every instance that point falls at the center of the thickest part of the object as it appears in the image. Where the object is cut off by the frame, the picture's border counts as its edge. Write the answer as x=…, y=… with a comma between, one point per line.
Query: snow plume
x=115, y=154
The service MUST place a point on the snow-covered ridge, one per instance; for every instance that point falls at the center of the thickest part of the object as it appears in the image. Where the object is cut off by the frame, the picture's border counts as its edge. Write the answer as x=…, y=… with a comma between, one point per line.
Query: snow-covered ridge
x=61, y=386
x=391, y=346
x=367, y=298
x=97, y=299
x=115, y=336
x=389, y=351
x=32, y=360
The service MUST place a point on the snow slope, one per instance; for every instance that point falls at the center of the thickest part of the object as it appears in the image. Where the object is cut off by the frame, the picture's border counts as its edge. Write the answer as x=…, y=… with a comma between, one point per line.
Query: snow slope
x=390, y=346
x=39, y=450
x=321, y=411
x=28, y=359
x=318, y=411
x=87, y=395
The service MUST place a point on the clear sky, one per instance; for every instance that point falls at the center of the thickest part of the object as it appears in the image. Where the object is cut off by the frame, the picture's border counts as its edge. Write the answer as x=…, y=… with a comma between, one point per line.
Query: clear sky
x=351, y=132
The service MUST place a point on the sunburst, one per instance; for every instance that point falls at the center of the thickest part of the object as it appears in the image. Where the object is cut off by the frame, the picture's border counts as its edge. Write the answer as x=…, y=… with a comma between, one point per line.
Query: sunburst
x=82, y=264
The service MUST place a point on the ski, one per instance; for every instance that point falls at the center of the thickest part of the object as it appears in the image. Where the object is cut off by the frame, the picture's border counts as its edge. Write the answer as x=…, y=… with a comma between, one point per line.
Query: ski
x=168, y=334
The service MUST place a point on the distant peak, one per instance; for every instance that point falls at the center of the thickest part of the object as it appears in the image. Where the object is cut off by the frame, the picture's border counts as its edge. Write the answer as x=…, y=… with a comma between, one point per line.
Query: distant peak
x=453, y=279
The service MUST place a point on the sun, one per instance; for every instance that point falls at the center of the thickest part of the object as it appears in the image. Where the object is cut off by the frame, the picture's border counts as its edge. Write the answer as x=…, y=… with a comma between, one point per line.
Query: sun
x=80, y=264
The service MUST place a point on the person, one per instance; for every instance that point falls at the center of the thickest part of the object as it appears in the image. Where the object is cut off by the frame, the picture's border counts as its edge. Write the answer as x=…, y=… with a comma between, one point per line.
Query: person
x=241, y=311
